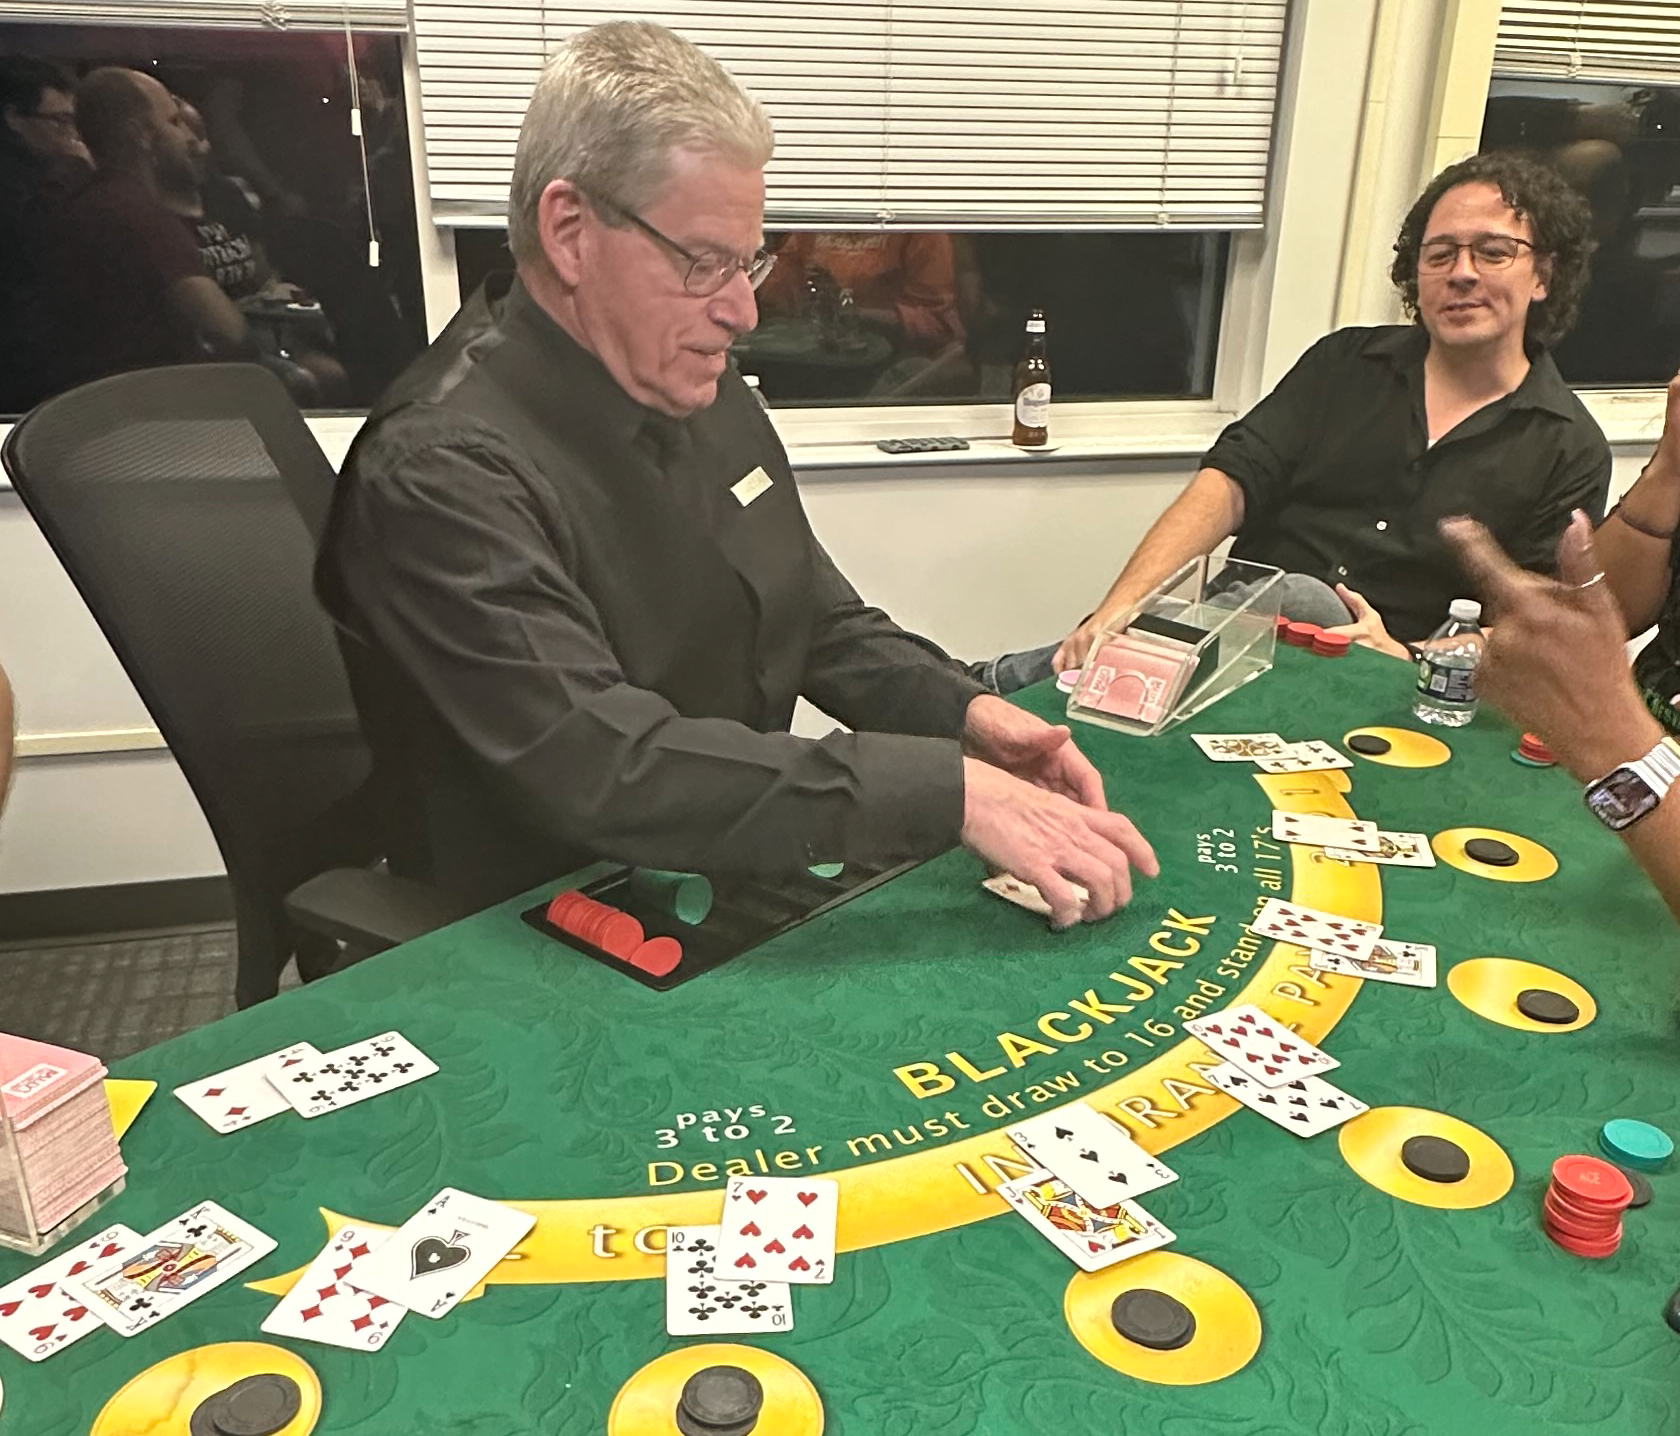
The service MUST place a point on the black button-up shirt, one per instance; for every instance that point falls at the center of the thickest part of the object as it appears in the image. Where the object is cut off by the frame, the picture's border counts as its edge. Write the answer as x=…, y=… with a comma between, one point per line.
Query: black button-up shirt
x=1340, y=481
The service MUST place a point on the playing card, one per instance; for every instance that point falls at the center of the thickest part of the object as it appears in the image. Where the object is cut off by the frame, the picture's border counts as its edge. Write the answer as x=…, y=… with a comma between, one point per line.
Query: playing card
x=1305, y=1106
x=1094, y=1157
x=1315, y=756
x=176, y=1264
x=443, y=1251
x=244, y=1095
x=1259, y=1045
x=1399, y=850
x=348, y=1075
x=1094, y=1237
x=1239, y=747
x=699, y=1303
x=1317, y=830
x=39, y=1315
x=779, y=1229
x=327, y=1305
x=1308, y=927
x=1410, y=964
x=1012, y=889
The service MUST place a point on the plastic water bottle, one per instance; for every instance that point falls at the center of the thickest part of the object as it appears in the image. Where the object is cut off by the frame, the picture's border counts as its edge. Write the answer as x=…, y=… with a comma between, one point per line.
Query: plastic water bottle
x=1446, y=685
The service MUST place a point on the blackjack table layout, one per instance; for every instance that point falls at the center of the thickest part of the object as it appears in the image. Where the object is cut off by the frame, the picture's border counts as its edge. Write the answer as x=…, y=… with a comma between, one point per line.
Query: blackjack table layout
x=889, y=1042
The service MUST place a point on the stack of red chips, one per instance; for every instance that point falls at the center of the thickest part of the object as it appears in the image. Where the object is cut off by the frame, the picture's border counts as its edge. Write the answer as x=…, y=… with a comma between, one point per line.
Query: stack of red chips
x=1331, y=645
x=614, y=932
x=1584, y=1206
x=1534, y=752
x=1300, y=635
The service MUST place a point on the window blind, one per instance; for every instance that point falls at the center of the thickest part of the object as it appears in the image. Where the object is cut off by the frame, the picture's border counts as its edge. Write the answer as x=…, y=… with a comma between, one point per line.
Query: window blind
x=940, y=114
x=1625, y=41
x=238, y=14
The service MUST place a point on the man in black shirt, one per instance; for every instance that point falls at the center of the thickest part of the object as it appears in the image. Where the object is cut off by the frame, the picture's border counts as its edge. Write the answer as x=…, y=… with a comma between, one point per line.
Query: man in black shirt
x=579, y=592
x=1339, y=475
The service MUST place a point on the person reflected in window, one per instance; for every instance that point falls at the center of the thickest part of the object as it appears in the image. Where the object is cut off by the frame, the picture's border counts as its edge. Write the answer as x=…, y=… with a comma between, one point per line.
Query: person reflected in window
x=125, y=282
x=42, y=157
x=1339, y=476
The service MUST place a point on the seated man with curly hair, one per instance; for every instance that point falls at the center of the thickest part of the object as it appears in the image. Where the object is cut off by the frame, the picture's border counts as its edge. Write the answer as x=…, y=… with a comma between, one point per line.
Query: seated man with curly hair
x=1340, y=475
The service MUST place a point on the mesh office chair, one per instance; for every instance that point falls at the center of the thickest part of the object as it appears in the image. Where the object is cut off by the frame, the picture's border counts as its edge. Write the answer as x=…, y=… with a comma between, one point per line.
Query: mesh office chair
x=185, y=504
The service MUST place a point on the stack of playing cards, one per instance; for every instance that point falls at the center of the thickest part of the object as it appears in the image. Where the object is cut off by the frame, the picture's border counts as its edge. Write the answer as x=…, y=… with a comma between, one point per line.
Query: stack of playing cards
x=1082, y=1195
x=302, y=1079
x=1272, y=1071
x=58, y=1151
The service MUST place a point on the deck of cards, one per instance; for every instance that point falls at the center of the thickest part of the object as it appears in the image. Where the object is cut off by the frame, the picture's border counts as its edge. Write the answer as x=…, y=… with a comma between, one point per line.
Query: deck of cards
x=304, y=1080
x=58, y=1150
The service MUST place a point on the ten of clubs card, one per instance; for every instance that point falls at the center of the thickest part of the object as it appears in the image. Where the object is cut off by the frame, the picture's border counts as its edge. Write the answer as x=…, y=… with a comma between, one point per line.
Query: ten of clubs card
x=352, y=1074
x=328, y=1306
x=1259, y=1046
x=442, y=1252
x=1092, y=1237
x=698, y=1302
x=176, y=1264
x=40, y=1313
x=779, y=1229
x=1094, y=1157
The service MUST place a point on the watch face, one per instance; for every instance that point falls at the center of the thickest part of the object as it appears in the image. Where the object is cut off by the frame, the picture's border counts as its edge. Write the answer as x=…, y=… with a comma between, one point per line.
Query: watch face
x=1620, y=799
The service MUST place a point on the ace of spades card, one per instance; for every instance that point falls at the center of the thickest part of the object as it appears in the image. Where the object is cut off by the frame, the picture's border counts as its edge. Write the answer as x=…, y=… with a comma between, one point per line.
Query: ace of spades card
x=39, y=1314
x=1305, y=1106
x=1259, y=1046
x=1308, y=927
x=779, y=1229
x=698, y=1302
x=1091, y=1237
x=443, y=1251
x=1093, y=1156
x=328, y=1306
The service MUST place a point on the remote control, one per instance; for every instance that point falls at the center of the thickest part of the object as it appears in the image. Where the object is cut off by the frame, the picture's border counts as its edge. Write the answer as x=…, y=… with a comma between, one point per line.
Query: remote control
x=920, y=446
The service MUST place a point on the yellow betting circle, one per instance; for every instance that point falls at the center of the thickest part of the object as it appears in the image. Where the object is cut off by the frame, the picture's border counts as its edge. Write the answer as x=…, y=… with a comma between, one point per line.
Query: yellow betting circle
x=1488, y=986
x=1227, y=1321
x=1371, y=1145
x=1407, y=748
x=1534, y=863
x=164, y=1397
x=646, y=1405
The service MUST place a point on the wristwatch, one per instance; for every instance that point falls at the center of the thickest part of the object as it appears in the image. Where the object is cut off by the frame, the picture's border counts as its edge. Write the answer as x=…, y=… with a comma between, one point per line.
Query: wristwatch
x=1625, y=795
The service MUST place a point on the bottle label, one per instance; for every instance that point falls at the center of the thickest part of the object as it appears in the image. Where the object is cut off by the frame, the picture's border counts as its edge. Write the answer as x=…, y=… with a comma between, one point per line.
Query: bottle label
x=1450, y=685
x=1032, y=406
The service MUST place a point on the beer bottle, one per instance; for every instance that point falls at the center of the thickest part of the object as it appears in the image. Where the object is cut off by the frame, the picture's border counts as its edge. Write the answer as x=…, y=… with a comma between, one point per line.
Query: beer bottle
x=1032, y=389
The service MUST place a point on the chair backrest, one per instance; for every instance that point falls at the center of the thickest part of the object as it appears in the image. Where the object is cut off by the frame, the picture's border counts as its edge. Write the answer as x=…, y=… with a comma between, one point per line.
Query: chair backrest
x=185, y=504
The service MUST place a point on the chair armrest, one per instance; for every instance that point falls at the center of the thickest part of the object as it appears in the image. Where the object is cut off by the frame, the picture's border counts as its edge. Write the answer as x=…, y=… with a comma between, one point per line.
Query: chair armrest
x=369, y=910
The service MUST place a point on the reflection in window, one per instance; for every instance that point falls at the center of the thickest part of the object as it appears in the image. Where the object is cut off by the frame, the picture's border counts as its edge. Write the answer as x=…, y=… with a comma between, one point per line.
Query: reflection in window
x=1620, y=147
x=869, y=317
x=171, y=195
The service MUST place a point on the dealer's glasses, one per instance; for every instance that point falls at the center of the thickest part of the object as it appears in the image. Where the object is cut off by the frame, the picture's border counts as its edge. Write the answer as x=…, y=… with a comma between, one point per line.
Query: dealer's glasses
x=708, y=270
x=1487, y=251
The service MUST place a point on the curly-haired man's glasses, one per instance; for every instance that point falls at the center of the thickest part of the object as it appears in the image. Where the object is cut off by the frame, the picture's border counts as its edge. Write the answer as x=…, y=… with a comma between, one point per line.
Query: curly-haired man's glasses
x=1487, y=251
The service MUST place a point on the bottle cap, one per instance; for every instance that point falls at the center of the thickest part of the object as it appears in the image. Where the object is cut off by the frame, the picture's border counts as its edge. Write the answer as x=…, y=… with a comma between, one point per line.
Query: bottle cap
x=1465, y=610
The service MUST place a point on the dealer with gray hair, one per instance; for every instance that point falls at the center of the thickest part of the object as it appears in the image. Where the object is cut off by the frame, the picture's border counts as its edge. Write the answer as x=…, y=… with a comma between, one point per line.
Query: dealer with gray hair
x=579, y=593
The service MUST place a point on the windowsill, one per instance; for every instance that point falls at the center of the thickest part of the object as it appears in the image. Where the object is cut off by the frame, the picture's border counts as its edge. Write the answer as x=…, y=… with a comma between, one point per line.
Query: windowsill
x=817, y=458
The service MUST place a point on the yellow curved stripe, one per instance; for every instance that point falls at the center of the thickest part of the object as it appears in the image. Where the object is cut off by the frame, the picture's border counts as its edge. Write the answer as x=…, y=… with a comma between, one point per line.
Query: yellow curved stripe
x=900, y=1198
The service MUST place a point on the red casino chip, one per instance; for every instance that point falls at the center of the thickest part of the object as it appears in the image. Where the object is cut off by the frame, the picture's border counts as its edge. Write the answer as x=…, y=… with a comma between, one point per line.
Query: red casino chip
x=658, y=956
x=1594, y=1183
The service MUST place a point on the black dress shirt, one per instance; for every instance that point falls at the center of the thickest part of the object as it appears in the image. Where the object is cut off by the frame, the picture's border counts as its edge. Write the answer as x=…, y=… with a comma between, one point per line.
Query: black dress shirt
x=571, y=636
x=1340, y=481
x=1657, y=668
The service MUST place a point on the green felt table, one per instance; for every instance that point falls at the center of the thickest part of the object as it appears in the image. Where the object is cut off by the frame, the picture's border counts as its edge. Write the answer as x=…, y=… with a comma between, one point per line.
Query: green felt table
x=890, y=1041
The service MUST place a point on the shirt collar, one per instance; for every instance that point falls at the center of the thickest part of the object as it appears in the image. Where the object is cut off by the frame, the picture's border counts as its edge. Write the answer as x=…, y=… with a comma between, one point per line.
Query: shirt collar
x=1405, y=346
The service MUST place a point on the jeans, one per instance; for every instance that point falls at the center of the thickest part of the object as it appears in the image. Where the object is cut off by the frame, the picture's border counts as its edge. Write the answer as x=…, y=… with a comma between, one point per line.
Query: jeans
x=1301, y=597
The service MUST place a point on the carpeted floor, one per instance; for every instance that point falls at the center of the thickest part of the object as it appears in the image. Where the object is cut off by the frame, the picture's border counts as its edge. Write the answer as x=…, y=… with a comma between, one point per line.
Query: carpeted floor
x=114, y=996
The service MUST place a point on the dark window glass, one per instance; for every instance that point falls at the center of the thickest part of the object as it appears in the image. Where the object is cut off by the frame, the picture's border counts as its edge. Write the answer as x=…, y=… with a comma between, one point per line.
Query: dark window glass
x=1620, y=147
x=872, y=318
x=171, y=195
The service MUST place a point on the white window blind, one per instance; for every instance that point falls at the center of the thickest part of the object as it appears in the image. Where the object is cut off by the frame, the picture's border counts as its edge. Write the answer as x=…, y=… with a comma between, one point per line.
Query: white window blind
x=239, y=14
x=942, y=114
x=1625, y=41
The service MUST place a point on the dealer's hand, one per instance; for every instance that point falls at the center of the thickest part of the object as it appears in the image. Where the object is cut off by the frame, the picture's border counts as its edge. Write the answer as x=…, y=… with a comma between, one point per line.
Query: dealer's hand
x=1037, y=752
x=1051, y=841
x=1367, y=629
x=1556, y=659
